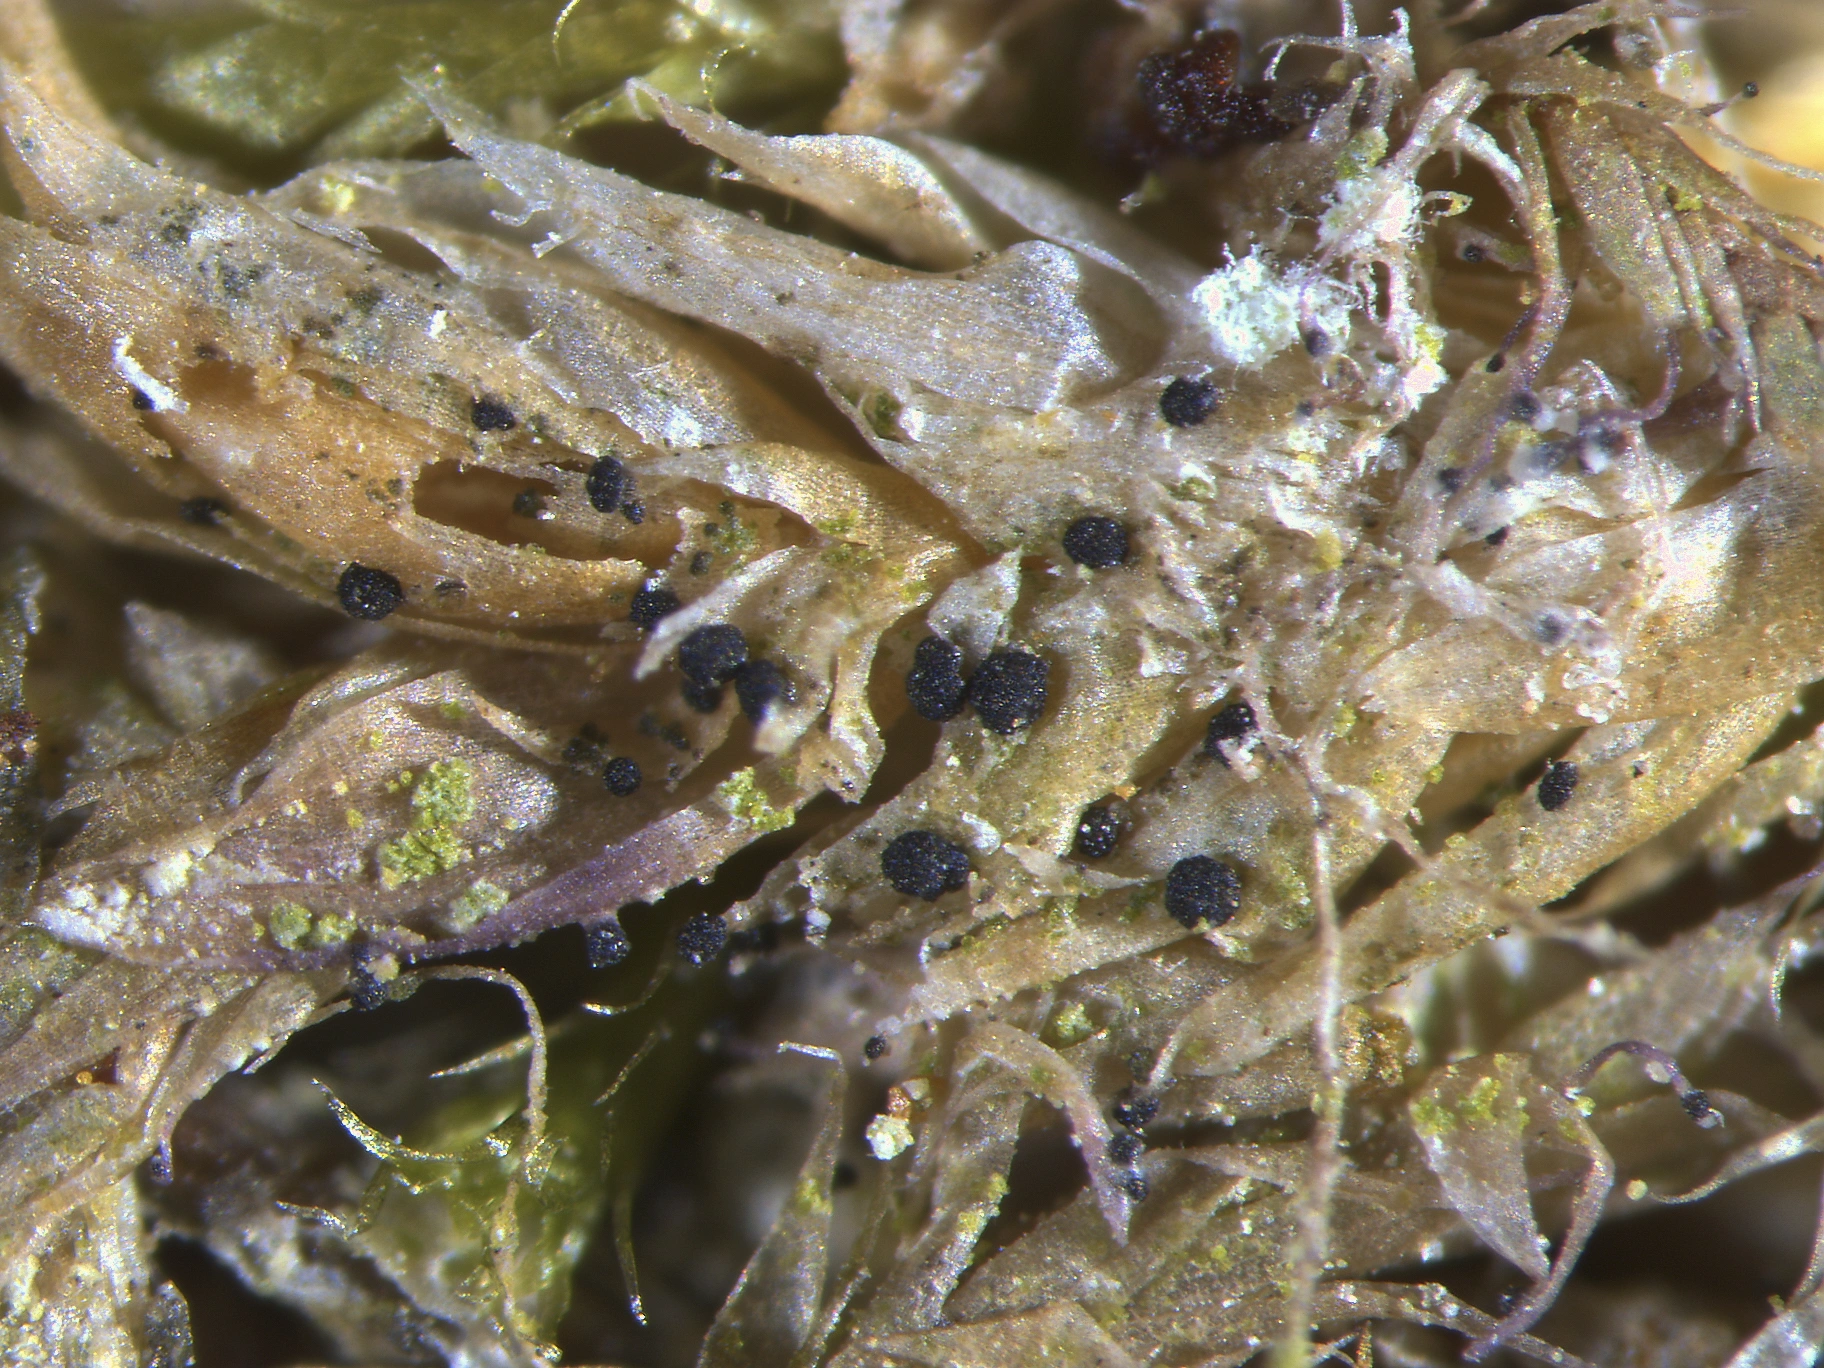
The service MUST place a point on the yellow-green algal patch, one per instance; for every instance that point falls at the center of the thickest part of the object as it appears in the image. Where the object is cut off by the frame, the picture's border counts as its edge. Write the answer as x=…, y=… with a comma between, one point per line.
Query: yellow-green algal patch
x=442, y=798
x=295, y=927
x=741, y=796
x=481, y=900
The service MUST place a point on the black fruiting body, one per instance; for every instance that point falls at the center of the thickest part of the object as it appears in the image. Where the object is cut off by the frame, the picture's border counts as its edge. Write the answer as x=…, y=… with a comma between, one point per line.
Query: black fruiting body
x=1187, y=402
x=1098, y=831
x=606, y=944
x=365, y=988
x=365, y=592
x=607, y=485
x=711, y=655
x=935, y=683
x=491, y=415
x=703, y=698
x=922, y=864
x=621, y=776
x=701, y=938
x=1008, y=691
x=1236, y=722
x=874, y=1048
x=758, y=685
x=1134, y=1185
x=650, y=603
x=1124, y=1147
x=1557, y=784
x=1200, y=889
x=1134, y=1111
x=1096, y=542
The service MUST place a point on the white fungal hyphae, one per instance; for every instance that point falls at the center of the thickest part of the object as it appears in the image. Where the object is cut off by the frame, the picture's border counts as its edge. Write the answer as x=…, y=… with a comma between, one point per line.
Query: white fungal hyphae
x=1254, y=308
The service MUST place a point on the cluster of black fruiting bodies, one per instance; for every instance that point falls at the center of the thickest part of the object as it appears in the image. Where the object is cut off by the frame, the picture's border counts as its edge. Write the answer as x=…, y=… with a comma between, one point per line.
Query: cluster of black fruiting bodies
x=371, y=594
x=1126, y=1145
x=701, y=939
x=1008, y=690
x=1199, y=889
x=585, y=751
x=715, y=655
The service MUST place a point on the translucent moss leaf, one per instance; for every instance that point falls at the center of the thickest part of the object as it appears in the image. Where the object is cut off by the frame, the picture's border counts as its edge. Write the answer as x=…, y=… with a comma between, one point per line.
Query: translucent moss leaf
x=1472, y=1119
x=773, y=1309
x=333, y=72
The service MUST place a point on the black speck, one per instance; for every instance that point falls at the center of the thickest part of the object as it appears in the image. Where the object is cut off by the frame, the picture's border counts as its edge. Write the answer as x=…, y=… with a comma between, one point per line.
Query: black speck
x=1098, y=831
x=702, y=937
x=621, y=776
x=1133, y=1185
x=1557, y=784
x=529, y=503
x=1696, y=1103
x=703, y=698
x=758, y=685
x=202, y=510
x=606, y=944
x=668, y=732
x=711, y=654
x=935, y=683
x=491, y=415
x=1187, y=402
x=1473, y=253
x=1096, y=542
x=1551, y=629
x=1750, y=89
x=1009, y=690
x=1496, y=363
x=759, y=939
x=1235, y=722
x=583, y=752
x=922, y=864
x=634, y=511
x=1524, y=407
x=140, y=399
x=1317, y=342
x=1125, y=1147
x=1135, y=1111
x=1497, y=538
x=607, y=485
x=843, y=1175
x=875, y=1048
x=368, y=593
x=1200, y=889
x=652, y=602
x=450, y=588
x=1450, y=479
x=700, y=563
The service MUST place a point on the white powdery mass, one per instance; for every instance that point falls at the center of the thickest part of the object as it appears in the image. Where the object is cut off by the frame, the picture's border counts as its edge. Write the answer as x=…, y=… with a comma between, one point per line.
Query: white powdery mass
x=1254, y=310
